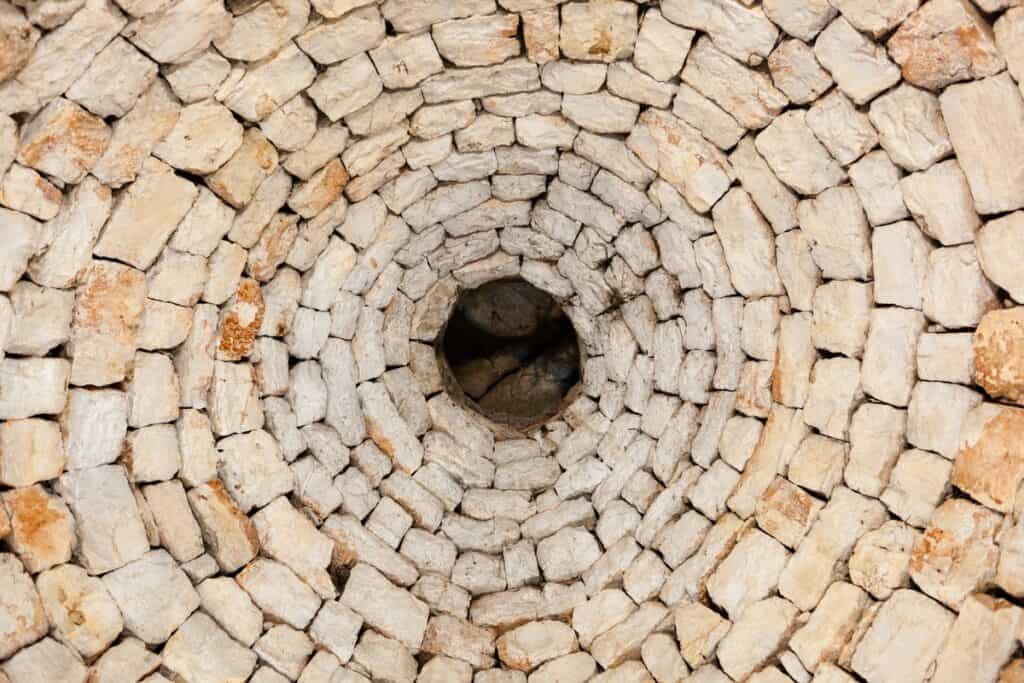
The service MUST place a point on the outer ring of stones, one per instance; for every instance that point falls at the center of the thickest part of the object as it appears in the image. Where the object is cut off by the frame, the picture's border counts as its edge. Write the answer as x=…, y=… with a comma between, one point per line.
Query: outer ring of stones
x=232, y=230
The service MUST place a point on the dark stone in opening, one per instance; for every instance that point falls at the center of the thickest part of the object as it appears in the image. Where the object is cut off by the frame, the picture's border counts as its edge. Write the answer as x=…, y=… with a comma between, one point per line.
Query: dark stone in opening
x=510, y=353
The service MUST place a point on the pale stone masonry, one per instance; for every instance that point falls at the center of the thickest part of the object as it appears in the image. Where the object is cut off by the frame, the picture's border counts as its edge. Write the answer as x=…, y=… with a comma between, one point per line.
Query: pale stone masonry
x=788, y=236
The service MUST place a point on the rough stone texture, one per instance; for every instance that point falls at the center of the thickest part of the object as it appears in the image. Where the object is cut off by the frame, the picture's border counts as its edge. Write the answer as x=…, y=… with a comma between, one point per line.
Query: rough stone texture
x=235, y=233
x=999, y=356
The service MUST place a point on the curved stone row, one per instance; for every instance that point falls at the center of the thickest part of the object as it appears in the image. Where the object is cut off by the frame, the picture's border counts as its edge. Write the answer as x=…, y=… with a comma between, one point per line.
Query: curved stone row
x=789, y=237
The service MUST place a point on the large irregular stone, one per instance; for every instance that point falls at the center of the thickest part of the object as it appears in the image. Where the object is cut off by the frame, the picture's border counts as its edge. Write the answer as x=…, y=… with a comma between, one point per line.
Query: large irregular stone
x=530, y=645
x=922, y=625
x=513, y=76
x=680, y=155
x=861, y=68
x=47, y=660
x=146, y=214
x=599, y=32
x=794, y=153
x=876, y=17
x=742, y=33
x=18, y=38
x=270, y=83
x=80, y=609
x=412, y=15
x=201, y=651
x=989, y=462
x=59, y=58
x=261, y=32
x=393, y=611
x=154, y=595
x=42, y=529
x=963, y=530
x=746, y=94
x=181, y=31
x=64, y=141
x=994, y=242
x=110, y=527
x=981, y=640
x=998, y=354
x=22, y=620
x=974, y=112
x=943, y=42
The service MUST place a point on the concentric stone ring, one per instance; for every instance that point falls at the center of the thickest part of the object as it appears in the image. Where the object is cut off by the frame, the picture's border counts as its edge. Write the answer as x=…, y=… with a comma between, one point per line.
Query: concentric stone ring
x=511, y=341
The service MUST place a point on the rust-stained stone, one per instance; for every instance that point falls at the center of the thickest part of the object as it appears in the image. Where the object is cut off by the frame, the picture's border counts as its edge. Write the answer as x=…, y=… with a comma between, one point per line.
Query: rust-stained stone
x=943, y=42
x=787, y=512
x=43, y=530
x=108, y=309
x=229, y=534
x=240, y=322
x=461, y=639
x=80, y=609
x=320, y=191
x=17, y=36
x=5, y=523
x=64, y=140
x=990, y=462
x=1013, y=672
x=999, y=354
x=599, y=31
x=274, y=246
x=957, y=553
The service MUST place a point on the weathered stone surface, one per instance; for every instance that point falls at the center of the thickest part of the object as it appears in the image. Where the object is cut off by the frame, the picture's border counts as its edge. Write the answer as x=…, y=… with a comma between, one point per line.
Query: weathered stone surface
x=153, y=594
x=83, y=138
x=227, y=532
x=966, y=530
x=923, y=624
x=23, y=619
x=971, y=111
x=981, y=639
x=744, y=34
x=268, y=84
x=513, y=76
x=46, y=660
x=181, y=31
x=794, y=153
x=528, y=646
x=755, y=636
x=146, y=215
x=796, y=72
x=32, y=451
x=944, y=42
x=264, y=30
x=746, y=94
x=860, y=68
x=661, y=46
x=603, y=33
x=58, y=58
x=988, y=462
x=80, y=609
x=109, y=526
x=998, y=356
x=279, y=593
x=679, y=154
x=18, y=39
x=392, y=610
x=42, y=529
x=200, y=649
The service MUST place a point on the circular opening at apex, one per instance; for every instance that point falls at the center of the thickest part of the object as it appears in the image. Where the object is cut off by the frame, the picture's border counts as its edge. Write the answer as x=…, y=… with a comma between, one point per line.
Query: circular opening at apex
x=510, y=353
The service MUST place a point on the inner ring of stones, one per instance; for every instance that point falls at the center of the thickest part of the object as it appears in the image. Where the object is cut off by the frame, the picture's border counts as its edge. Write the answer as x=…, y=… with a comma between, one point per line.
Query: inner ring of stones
x=509, y=352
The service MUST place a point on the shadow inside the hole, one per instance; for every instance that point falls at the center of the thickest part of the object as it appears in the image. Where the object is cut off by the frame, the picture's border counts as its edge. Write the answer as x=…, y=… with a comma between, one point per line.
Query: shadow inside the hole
x=525, y=374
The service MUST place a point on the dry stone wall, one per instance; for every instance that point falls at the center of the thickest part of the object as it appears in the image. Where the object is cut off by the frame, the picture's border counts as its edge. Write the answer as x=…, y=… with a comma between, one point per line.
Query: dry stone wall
x=789, y=235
